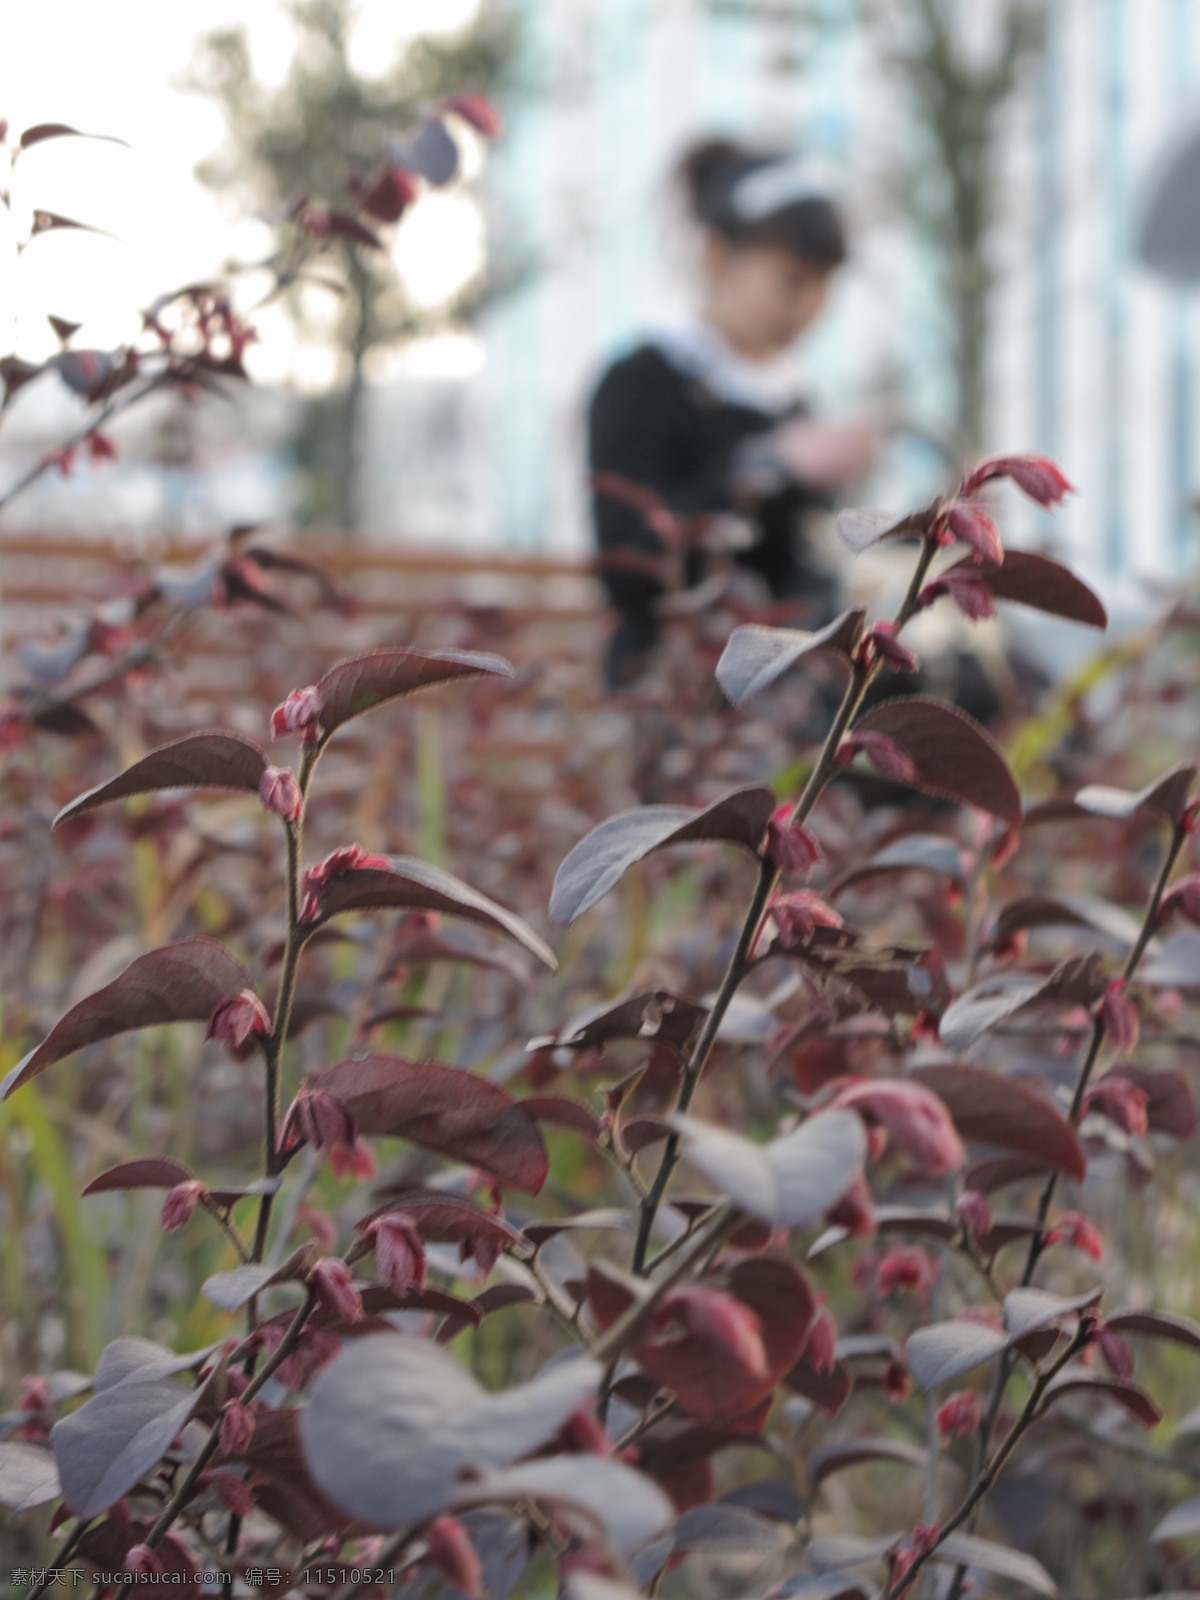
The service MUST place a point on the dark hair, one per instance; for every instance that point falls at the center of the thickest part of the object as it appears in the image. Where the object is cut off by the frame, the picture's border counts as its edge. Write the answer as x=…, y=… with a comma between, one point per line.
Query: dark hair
x=811, y=226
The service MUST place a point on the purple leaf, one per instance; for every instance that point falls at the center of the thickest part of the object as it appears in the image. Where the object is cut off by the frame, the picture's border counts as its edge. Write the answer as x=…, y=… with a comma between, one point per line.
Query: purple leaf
x=836, y=1457
x=792, y=1180
x=1001, y=1111
x=147, y=1173
x=1027, y=1311
x=180, y=983
x=946, y=1350
x=603, y=857
x=60, y=130
x=447, y=1109
x=952, y=755
x=28, y=1476
x=1076, y=982
x=363, y=682
x=658, y=1014
x=416, y=886
x=393, y=1422
x=1157, y=1325
x=1076, y=1381
x=200, y=761
x=430, y=152
x=1167, y=796
x=1028, y=579
x=915, y=852
x=599, y=1495
x=755, y=656
x=860, y=529
x=110, y=1443
x=233, y=1289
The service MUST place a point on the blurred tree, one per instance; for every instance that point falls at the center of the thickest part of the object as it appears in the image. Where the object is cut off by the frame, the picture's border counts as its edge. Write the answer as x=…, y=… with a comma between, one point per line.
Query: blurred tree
x=960, y=64
x=961, y=80
x=322, y=123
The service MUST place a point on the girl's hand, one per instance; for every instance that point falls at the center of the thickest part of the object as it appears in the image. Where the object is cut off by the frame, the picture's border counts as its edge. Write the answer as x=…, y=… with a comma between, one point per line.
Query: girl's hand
x=824, y=454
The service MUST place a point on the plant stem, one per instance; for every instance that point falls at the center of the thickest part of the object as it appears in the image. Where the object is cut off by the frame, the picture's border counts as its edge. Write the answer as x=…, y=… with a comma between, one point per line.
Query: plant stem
x=1037, y=1243
x=991, y=1472
x=210, y=1446
x=861, y=677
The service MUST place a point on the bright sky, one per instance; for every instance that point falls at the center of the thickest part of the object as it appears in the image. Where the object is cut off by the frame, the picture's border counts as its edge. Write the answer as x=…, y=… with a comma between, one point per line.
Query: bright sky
x=110, y=66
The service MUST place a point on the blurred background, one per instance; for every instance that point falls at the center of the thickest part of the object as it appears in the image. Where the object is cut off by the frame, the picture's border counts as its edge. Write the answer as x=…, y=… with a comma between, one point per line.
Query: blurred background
x=994, y=155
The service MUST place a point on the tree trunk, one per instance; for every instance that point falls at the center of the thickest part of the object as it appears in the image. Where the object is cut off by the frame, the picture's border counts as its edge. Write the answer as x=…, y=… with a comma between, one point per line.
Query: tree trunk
x=347, y=473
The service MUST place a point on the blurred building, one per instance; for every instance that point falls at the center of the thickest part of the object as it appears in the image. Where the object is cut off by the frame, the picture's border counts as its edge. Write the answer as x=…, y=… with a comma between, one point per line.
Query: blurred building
x=1091, y=360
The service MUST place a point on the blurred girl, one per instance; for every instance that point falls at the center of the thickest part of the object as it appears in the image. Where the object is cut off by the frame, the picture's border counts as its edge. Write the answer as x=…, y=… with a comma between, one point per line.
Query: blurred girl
x=702, y=420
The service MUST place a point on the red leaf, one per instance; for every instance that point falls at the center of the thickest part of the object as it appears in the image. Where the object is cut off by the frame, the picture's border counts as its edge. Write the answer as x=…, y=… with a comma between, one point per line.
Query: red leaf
x=363, y=682
x=200, y=761
x=180, y=983
x=562, y=1110
x=952, y=755
x=145, y=1174
x=446, y=1218
x=1075, y=1381
x=1001, y=1111
x=1170, y=1107
x=1028, y=579
x=414, y=885
x=447, y=1109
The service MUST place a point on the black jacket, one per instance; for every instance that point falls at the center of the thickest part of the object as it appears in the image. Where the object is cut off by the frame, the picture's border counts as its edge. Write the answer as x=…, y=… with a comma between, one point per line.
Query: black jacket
x=659, y=427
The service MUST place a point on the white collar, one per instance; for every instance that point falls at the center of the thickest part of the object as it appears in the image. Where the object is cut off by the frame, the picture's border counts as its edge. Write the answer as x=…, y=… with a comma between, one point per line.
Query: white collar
x=697, y=349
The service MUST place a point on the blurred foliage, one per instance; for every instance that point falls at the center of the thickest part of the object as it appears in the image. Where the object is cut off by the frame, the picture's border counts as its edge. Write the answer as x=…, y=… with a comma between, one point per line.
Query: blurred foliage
x=306, y=136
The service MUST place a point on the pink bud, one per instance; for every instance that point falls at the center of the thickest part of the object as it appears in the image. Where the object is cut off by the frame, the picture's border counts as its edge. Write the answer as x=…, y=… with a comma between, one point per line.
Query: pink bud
x=1080, y=1232
x=281, y=792
x=485, y=1252
x=960, y=1414
x=1122, y=1102
x=101, y=447
x=399, y=1251
x=319, y=1223
x=969, y=590
x=237, y=1019
x=233, y=1489
x=316, y=1118
x=821, y=1350
x=969, y=523
x=798, y=915
x=880, y=643
x=299, y=713
x=237, y=1428
x=916, y=1119
x=882, y=752
x=352, y=1160
x=454, y=1556
x=335, y=1289
x=719, y=1320
x=1037, y=476
x=142, y=1560
x=908, y=1268
x=975, y=1211
x=1119, y=1016
x=181, y=1201
x=1118, y=1357
x=790, y=846
x=924, y=1540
